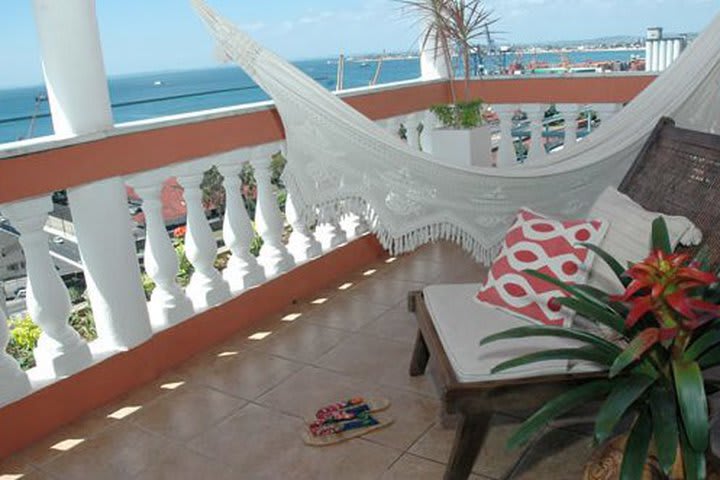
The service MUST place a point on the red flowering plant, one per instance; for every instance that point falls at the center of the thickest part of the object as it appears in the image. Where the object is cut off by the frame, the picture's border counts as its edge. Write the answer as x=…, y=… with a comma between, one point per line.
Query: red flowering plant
x=665, y=330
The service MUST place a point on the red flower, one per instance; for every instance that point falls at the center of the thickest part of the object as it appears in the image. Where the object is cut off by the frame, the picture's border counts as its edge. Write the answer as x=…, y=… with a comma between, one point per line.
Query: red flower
x=663, y=285
x=180, y=232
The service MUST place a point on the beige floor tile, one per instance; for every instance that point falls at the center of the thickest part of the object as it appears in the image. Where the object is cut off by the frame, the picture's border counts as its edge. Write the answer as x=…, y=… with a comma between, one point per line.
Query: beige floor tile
x=396, y=324
x=247, y=375
x=385, y=291
x=311, y=388
x=410, y=269
x=441, y=252
x=15, y=468
x=570, y=452
x=120, y=452
x=184, y=464
x=376, y=359
x=54, y=444
x=264, y=444
x=410, y=467
x=494, y=460
x=303, y=341
x=559, y=455
x=347, y=313
x=187, y=412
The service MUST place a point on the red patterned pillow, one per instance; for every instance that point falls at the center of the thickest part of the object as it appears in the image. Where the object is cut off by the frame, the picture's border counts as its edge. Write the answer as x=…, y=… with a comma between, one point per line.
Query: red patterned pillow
x=535, y=242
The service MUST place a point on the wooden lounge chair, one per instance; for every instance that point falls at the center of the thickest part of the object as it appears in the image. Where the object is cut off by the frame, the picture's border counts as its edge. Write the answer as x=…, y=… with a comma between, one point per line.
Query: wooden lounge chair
x=677, y=172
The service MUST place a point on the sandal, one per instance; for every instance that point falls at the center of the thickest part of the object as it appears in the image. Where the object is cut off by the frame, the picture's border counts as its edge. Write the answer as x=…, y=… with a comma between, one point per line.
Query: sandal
x=336, y=432
x=354, y=405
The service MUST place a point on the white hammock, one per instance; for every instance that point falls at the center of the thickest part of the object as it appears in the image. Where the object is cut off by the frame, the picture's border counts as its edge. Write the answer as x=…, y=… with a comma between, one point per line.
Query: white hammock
x=337, y=156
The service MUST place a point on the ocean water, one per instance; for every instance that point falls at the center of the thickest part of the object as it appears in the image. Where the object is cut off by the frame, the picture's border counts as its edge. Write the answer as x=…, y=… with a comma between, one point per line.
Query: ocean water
x=149, y=95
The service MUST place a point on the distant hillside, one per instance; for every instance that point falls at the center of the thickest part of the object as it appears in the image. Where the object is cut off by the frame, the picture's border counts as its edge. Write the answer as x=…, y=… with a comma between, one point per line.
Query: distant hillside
x=609, y=40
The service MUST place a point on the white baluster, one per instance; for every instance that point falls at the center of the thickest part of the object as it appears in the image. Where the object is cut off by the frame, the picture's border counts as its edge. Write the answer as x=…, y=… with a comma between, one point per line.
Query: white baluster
x=507, y=157
x=206, y=288
x=536, y=115
x=569, y=113
x=605, y=111
x=412, y=123
x=274, y=256
x=243, y=270
x=168, y=304
x=60, y=351
x=302, y=244
x=330, y=233
x=15, y=383
x=430, y=123
x=354, y=225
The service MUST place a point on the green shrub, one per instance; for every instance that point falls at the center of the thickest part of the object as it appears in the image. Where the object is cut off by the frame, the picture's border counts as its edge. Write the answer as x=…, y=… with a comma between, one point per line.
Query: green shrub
x=24, y=335
x=462, y=115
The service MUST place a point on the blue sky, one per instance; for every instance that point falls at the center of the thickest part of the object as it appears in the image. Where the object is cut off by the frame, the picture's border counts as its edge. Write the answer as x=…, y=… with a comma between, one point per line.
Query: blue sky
x=150, y=35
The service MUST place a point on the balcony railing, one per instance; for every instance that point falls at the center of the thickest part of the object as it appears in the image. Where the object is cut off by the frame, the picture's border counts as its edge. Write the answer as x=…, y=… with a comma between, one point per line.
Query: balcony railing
x=148, y=154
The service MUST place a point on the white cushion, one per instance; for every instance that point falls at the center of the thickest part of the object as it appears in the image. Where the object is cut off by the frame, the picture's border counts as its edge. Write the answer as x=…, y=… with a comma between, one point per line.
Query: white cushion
x=461, y=323
x=628, y=236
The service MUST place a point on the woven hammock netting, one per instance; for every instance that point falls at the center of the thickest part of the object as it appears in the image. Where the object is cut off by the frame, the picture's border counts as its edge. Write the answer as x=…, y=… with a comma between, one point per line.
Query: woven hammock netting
x=341, y=162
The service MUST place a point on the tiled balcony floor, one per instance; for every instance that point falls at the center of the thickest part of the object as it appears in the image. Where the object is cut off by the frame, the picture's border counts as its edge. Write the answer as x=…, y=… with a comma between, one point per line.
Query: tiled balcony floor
x=235, y=412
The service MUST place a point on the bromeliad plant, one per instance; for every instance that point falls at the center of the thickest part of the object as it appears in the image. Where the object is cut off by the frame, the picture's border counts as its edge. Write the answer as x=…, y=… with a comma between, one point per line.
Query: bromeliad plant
x=666, y=331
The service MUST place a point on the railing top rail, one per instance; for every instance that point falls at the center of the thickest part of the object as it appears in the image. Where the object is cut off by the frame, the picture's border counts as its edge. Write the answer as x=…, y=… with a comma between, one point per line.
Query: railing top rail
x=38, y=166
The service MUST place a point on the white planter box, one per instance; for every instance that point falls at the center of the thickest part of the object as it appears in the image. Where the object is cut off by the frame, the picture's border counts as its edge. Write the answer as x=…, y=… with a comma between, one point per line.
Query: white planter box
x=466, y=148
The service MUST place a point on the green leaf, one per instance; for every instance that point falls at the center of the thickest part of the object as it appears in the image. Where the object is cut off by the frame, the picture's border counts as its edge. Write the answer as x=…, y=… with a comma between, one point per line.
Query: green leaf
x=660, y=236
x=710, y=358
x=643, y=342
x=665, y=426
x=636, y=449
x=624, y=393
x=693, y=460
x=595, y=312
x=614, y=265
x=706, y=341
x=589, y=353
x=545, y=331
x=692, y=402
x=560, y=405
x=570, y=289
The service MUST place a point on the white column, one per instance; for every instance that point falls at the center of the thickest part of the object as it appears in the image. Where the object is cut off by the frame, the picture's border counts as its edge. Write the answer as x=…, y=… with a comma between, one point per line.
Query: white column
x=15, y=383
x=676, y=48
x=412, y=122
x=662, y=54
x=60, y=350
x=605, y=111
x=80, y=104
x=433, y=61
x=243, y=270
x=536, y=115
x=648, y=55
x=655, y=66
x=168, y=304
x=569, y=112
x=668, y=53
x=506, y=156
x=430, y=122
x=302, y=245
x=206, y=288
x=274, y=256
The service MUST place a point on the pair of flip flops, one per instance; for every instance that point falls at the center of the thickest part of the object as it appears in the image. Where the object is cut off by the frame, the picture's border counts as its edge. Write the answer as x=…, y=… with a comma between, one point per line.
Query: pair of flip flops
x=345, y=420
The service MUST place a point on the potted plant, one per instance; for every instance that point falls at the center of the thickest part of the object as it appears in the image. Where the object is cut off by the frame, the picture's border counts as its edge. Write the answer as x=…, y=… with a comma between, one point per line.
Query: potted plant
x=452, y=29
x=666, y=333
x=462, y=138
